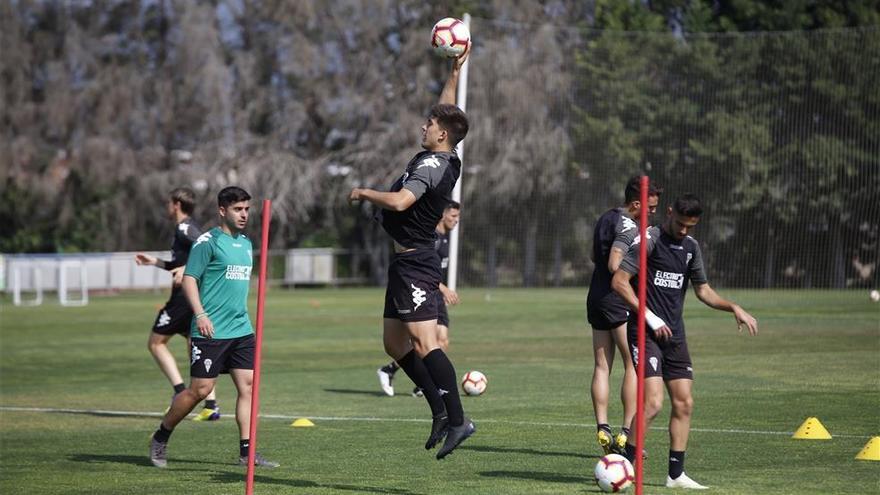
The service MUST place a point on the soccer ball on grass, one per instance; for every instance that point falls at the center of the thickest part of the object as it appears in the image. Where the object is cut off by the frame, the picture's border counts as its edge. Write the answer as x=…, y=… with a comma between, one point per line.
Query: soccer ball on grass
x=614, y=473
x=474, y=383
x=450, y=37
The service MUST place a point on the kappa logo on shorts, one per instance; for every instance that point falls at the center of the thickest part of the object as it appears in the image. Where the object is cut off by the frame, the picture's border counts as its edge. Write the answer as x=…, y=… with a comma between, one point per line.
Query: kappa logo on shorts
x=635, y=353
x=196, y=354
x=164, y=319
x=418, y=296
x=653, y=362
x=208, y=364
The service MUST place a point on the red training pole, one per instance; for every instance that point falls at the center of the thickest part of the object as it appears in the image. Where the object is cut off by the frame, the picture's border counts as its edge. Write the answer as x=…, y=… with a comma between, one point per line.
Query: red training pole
x=640, y=368
x=261, y=299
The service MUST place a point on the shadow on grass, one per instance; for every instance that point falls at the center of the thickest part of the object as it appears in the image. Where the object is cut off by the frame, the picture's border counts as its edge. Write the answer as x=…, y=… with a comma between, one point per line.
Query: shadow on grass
x=503, y=450
x=349, y=391
x=135, y=460
x=538, y=476
x=300, y=483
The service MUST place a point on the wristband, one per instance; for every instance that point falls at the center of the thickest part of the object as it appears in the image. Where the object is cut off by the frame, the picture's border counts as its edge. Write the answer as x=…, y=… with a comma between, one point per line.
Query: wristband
x=653, y=321
x=203, y=314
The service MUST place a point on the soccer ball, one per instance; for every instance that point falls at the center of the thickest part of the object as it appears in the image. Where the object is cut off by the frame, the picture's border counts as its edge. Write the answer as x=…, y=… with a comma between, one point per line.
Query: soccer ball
x=614, y=473
x=474, y=383
x=450, y=37
x=875, y=295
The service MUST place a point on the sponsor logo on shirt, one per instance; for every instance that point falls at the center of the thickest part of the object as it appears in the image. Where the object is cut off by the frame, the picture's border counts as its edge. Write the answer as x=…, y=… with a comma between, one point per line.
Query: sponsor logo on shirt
x=183, y=228
x=203, y=238
x=669, y=280
x=628, y=224
x=431, y=161
x=238, y=272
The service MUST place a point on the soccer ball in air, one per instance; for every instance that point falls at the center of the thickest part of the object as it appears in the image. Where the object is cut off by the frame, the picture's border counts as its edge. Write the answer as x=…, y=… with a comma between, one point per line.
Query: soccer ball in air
x=450, y=37
x=474, y=383
x=614, y=473
x=875, y=295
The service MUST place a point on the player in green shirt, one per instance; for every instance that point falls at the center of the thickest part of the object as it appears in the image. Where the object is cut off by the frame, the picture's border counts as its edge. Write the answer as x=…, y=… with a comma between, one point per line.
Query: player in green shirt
x=216, y=283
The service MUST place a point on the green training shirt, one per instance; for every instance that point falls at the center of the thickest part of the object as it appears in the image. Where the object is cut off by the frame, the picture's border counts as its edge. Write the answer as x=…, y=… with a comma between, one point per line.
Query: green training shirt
x=221, y=265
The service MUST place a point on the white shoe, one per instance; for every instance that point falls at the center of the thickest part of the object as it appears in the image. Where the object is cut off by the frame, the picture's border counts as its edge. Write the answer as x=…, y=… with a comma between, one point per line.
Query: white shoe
x=684, y=481
x=385, y=382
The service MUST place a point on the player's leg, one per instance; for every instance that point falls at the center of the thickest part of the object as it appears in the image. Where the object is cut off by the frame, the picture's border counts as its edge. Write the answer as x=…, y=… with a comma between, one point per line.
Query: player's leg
x=211, y=410
x=603, y=360
x=679, y=431
x=240, y=363
x=183, y=404
x=653, y=405
x=158, y=346
x=628, y=389
x=386, y=377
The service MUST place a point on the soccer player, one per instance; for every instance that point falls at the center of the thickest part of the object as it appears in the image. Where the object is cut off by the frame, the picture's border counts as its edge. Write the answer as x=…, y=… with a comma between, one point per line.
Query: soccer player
x=409, y=212
x=674, y=260
x=607, y=313
x=447, y=296
x=216, y=283
x=175, y=317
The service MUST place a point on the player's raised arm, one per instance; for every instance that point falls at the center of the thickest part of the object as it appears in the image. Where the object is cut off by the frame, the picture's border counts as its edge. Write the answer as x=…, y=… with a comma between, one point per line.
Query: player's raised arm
x=448, y=96
x=710, y=298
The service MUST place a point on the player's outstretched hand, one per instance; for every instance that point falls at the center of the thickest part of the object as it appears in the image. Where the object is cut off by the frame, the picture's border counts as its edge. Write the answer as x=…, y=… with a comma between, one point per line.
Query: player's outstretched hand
x=144, y=259
x=459, y=60
x=354, y=195
x=743, y=318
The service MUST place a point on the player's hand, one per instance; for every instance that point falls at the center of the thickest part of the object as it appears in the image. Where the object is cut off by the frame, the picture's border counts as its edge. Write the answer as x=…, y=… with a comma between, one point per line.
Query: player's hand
x=177, y=275
x=144, y=259
x=354, y=195
x=663, y=333
x=450, y=297
x=459, y=60
x=206, y=328
x=743, y=318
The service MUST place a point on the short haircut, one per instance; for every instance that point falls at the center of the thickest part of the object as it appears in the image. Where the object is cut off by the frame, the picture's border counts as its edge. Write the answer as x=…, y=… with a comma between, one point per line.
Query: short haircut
x=453, y=205
x=231, y=195
x=186, y=197
x=452, y=120
x=688, y=205
x=633, y=189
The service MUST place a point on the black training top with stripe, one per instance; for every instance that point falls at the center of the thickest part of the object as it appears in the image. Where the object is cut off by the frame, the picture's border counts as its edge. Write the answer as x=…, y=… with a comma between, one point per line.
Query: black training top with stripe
x=614, y=229
x=441, y=245
x=185, y=234
x=671, y=265
x=430, y=176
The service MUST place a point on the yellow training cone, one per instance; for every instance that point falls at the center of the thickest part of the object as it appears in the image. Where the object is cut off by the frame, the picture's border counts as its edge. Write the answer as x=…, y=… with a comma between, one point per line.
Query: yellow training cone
x=812, y=429
x=302, y=423
x=871, y=452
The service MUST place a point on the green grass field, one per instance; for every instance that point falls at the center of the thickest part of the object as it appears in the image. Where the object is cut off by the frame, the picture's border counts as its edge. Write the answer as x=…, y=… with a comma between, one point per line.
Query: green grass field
x=818, y=354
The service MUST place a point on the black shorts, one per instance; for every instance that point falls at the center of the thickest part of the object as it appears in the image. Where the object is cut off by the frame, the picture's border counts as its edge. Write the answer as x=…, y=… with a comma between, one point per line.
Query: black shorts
x=671, y=360
x=413, y=285
x=442, y=313
x=607, y=312
x=175, y=317
x=210, y=357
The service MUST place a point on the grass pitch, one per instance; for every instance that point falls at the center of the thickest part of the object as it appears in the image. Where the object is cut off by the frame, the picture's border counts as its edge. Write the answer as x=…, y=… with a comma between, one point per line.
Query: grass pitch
x=818, y=354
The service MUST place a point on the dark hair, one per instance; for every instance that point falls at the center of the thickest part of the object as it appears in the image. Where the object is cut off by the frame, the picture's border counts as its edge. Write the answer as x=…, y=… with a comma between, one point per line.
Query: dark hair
x=230, y=195
x=452, y=120
x=634, y=187
x=186, y=197
x=688, y=205
x=452, y=205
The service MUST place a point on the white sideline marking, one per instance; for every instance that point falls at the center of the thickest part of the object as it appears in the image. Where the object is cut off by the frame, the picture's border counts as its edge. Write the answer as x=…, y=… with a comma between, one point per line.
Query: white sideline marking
x=101, y=412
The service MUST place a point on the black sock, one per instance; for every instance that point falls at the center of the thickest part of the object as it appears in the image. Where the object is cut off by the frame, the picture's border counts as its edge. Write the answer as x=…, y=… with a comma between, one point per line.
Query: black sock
x=391, y=368
x=417, y=372
x=243, y=447
x=179, y=388
x=676, y=463
x=630, y=453
x=625, y=431
x=443, y=374
x=604, y=426
x=210, y=404
x=162, y=434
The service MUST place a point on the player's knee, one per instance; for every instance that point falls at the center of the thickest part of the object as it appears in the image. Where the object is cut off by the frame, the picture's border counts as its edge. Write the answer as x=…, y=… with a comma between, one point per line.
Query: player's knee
x=653, y=405
x=683, y=406
x=154, y=345
x=200, y=391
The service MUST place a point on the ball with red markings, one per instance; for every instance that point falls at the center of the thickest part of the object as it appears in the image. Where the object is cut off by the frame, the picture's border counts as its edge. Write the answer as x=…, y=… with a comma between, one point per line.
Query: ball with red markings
x=450, y=37
x=474, y=383
x=614, y=473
